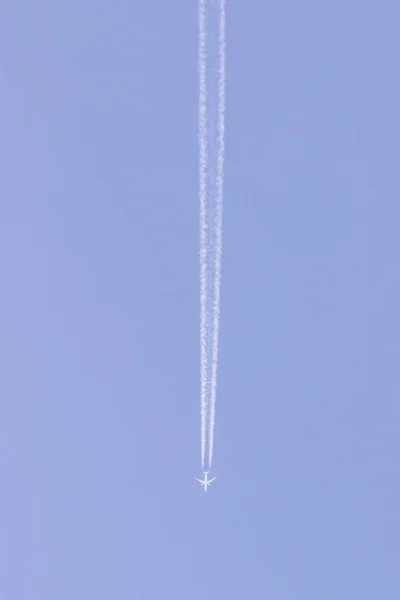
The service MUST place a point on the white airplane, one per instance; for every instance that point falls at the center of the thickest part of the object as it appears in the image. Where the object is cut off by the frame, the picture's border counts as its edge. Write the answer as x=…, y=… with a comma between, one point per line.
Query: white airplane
x=205, y=481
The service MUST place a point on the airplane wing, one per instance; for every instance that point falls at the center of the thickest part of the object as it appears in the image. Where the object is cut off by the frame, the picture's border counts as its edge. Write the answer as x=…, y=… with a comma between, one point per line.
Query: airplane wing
x=199, y=480
x=210, y=480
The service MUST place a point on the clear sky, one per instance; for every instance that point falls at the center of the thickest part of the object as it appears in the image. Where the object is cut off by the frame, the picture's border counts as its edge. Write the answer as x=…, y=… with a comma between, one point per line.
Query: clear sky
x=99, y=304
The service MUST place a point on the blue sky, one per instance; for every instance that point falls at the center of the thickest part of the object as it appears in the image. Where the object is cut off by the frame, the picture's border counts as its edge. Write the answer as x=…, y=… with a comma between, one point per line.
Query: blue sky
x=99, y=304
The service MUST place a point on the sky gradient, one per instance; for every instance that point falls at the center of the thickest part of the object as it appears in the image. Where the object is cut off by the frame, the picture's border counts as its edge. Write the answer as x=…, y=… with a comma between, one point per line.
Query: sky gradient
x=99, y=304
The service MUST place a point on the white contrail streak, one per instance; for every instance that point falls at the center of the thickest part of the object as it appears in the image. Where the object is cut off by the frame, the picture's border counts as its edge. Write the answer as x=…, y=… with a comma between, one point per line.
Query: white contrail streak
x=218, y=225
x=211, y=180
x=203, y=222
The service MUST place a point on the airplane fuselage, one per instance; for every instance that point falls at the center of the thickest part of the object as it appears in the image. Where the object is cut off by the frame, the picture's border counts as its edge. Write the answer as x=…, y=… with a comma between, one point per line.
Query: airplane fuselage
x=205, y=482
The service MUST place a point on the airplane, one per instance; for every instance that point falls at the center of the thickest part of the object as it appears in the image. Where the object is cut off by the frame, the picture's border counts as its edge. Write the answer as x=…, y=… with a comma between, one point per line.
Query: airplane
x=205, y=481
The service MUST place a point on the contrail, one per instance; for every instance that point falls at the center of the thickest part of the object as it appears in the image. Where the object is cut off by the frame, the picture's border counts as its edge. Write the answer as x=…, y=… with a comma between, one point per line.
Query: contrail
x=211, y=175
x=218, y=225
x=203, y=222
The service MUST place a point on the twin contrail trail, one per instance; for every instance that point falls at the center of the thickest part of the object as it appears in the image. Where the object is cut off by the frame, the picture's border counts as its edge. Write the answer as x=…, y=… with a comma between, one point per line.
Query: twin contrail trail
x=211, y=176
